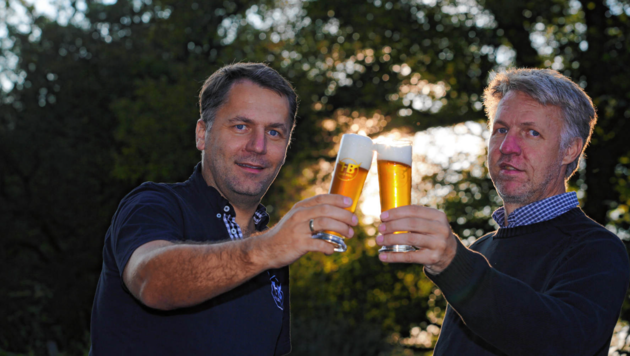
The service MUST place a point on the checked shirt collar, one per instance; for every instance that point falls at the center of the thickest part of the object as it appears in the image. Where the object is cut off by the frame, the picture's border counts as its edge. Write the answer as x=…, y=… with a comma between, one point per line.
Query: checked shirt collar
x=261, y=218
x=226, y=211
x=539, y=211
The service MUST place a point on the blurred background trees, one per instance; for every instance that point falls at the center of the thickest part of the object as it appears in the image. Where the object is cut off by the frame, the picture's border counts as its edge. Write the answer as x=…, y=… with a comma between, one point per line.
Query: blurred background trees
x=99, y=97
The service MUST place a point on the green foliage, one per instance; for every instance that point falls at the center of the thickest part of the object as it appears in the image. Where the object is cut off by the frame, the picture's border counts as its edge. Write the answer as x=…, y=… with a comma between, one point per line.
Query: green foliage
x=106, y=99
x=350, y=303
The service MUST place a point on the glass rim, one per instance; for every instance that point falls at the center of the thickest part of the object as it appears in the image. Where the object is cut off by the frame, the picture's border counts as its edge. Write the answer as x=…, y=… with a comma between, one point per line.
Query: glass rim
x=395, y=143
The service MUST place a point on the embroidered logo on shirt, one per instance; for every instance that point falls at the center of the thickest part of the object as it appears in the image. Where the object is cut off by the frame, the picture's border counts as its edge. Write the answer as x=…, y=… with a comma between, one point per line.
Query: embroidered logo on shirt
x=276, y=291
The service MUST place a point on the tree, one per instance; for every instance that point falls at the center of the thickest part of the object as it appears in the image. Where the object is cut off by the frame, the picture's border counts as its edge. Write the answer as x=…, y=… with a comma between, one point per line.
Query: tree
x=586, y=41
x=104, y=98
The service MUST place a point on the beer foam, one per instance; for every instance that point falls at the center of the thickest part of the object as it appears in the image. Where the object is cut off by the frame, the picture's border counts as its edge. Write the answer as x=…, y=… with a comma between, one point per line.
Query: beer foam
x=358, y=148
x=394, y=153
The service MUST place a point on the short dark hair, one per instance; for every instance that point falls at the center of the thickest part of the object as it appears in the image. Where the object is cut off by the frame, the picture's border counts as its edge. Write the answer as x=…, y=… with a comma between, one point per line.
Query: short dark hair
x=217, y=86
x=548, y=87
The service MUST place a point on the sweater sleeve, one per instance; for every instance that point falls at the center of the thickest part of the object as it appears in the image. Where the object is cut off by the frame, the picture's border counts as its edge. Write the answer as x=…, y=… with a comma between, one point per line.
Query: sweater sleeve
x=574, y=315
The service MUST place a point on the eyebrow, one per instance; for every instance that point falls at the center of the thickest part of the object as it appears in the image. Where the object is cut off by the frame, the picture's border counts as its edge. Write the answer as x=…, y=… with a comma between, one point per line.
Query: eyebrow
x=526, y=123
x=240, y=119
x=250, y=121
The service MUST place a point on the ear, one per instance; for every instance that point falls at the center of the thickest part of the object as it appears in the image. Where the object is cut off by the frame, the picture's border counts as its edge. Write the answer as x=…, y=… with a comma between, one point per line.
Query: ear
x=572, y=152
x=200, y=135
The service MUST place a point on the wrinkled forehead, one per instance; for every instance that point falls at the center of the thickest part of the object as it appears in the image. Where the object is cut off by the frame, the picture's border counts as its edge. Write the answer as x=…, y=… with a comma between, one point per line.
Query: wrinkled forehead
x=520, y=105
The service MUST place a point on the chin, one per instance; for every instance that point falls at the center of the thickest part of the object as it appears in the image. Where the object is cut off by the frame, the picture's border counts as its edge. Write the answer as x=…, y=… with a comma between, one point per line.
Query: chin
x=250, y=194
x=511, y=187
x=251, y=191
x=516, y=197
x=512, y=194
x=512, y=199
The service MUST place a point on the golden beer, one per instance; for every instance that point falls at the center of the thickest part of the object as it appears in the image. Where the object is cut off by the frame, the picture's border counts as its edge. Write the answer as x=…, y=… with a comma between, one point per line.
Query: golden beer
x=348, y=181
x=394, y=181
x=351, y=169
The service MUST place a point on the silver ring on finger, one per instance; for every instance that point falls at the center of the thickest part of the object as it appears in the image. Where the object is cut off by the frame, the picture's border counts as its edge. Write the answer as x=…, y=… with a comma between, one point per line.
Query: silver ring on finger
x=310, y=226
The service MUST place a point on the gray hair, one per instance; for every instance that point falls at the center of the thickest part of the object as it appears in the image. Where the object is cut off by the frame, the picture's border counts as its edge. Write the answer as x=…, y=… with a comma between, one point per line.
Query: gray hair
x=548, y=87
x=215, y=89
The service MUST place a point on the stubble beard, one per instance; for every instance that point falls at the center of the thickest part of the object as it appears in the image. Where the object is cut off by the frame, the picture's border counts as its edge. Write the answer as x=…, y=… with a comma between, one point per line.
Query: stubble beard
x=240, y=190
x=531, y=193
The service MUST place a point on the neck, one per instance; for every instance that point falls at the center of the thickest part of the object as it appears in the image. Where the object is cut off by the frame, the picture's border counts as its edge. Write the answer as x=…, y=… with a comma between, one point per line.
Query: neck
x=244, y=206
x=509, y=208
x=244, y=219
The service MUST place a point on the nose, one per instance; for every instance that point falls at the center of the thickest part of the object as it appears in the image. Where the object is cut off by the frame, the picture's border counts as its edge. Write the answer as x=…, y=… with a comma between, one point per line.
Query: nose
x=510, y=145
x=257, y=142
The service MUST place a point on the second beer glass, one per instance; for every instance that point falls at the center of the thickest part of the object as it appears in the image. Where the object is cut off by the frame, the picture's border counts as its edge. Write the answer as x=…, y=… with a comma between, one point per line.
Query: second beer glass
x=351, y=169
x=394, y=181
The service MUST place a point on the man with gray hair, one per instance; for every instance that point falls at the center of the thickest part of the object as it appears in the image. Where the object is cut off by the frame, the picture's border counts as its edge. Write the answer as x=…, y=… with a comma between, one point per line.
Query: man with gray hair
x=549, y=281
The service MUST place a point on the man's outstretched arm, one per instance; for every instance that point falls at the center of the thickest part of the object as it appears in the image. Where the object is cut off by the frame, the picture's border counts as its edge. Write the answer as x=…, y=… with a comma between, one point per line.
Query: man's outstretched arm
x=575, y=315
x=168, y=275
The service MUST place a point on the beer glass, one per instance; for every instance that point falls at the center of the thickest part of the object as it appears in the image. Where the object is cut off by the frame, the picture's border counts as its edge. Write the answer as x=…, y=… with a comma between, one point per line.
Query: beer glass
x=394, y=181
x=351, y=168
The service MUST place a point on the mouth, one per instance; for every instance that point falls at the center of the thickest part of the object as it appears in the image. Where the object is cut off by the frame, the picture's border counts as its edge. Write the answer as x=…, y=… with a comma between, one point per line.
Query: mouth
x=251, y=167
x=505, y=167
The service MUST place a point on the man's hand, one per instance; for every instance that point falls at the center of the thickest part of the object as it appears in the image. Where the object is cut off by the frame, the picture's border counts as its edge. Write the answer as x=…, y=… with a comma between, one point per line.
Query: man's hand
x=165, y=275
x=291, y=238
x=427, y=229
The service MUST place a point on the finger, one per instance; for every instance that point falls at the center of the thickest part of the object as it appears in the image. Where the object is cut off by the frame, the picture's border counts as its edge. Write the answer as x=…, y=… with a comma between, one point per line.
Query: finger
x=329, y=224
x=322, y=246
x=328, y=199
x=329, y=211
x=422, y=256
x=414, y=211
x=413, y=239
x=415, y=224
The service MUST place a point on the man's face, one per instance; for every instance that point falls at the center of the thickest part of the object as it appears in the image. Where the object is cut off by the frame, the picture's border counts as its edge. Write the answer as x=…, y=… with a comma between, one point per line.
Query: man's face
x=525, y=158
x=247, y=143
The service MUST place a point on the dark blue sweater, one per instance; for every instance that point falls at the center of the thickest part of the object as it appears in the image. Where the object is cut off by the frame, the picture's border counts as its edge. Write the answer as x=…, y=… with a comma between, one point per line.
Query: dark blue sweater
x=551, y=288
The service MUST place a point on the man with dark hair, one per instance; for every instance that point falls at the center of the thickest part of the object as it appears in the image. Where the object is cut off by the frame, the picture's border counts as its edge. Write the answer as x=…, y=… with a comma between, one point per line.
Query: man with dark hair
x=549, y=281
x=191, y=268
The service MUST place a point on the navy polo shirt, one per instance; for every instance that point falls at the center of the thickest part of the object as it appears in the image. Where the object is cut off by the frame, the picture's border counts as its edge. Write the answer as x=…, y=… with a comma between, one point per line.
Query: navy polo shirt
x=251, y=319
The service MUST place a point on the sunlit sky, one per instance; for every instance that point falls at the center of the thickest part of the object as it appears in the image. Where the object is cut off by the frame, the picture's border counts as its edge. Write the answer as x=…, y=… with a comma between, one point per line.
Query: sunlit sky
x=43, y=7
x=438, y=145
x=48, y=8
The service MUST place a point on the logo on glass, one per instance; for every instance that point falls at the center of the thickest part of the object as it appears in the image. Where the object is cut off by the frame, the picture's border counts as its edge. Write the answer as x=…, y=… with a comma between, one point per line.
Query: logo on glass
x=347, y=169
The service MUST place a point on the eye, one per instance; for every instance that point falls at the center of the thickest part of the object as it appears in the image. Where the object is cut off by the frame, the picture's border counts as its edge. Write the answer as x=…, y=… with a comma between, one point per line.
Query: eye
x=240, y=127
x=534, y=133
x=502, y=130
x=274, y=133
